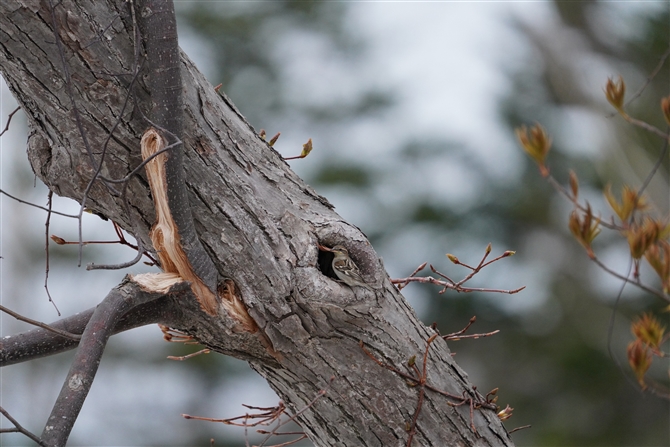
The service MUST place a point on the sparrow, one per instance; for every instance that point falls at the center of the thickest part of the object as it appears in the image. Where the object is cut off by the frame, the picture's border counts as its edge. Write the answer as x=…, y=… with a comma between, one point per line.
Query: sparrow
x=345, y=269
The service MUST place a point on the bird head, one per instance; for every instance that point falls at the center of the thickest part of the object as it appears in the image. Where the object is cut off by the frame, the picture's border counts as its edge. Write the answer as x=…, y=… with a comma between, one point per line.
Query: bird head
x=340, y=250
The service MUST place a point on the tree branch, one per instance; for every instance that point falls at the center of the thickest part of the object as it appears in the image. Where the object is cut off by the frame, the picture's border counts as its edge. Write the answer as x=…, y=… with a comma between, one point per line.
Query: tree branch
x=159, y=28
x=18, y=428
x=91, y=347
x=43, y=342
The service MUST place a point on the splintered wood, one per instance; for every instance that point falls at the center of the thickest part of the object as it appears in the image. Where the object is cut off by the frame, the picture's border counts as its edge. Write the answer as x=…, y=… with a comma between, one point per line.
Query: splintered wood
x=164, y=234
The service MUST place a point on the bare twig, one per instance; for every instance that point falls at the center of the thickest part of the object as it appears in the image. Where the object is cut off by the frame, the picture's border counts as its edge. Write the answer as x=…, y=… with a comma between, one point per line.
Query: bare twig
x=121, y=241
x=416, y=270
x=455, y=336
x=475, y=336
x=73, y=104
x=563, y=191
x=477, y=269
x=283, y=444
x=644, y=125
x=419, y=379
x=186, y=357
x=523, y=427
x=309, y=405
x=19, y=428
x=9, y=120
x=46, y=249
x=658, y=293
x=448, y=285
x=266, y=417
x=176, y=336
x=40, y=324
x=72, y=216
x=650, y=78
x=659, y=162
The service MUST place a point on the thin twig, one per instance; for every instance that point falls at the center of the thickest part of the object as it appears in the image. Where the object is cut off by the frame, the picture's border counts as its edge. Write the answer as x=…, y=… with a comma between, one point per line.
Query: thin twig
x=562, y=190
x=267, y=416
x=416, y=270
x=644, y=125
x=447, y=285
x=46, y=248
x=186, y=357
x=101, y=33
x=40, y=324
x=658, y=293
x=455, y=336
x=9, y=120
x=475, y=336
x=73, y=104
x=309, y=405
x=122, y=241
x=650, y=78
x=72, y=216
x=657, y=165
x=420, y=380
x=19, y=428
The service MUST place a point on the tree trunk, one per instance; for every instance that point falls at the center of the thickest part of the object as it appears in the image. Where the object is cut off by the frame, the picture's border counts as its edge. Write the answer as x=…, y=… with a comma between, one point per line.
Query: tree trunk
x=258, y=222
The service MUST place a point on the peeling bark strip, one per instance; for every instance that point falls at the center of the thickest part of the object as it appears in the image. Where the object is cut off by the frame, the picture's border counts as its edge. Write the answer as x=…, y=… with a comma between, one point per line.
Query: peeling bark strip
x=159, y=28
x=164, y=233
x=167, y=243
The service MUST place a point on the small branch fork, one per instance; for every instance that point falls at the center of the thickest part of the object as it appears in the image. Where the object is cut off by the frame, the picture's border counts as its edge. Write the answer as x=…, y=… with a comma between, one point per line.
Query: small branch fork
x=122, y=241
x=18, y=428
x=448, y=283
x=455, y=336
x=420, y=378
x=267, y=417
x=9, y=120
x=174, y=336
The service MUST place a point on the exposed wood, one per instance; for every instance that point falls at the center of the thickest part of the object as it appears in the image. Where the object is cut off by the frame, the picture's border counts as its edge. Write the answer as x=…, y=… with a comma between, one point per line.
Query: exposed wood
x=165, y=235
x=158, y=26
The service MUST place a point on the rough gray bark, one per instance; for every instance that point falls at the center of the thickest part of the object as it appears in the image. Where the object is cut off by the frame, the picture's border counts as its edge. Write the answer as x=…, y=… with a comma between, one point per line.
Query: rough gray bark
x=258, y=222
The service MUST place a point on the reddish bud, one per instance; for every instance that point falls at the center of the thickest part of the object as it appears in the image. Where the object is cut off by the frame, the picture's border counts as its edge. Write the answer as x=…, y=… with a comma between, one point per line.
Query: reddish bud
x=665, y=106
x=639, y=358
x=58, y=240
x=574, y=184
x=536, y=143
x=615, y=92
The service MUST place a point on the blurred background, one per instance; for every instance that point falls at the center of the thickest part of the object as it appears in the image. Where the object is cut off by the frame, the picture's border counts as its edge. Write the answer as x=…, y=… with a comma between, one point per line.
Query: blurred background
x=411, y=107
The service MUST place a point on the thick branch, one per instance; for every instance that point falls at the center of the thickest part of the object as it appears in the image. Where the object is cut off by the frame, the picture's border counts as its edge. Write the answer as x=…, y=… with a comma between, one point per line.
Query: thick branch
x=159, y=28
x=85, y=364
x=39, y=343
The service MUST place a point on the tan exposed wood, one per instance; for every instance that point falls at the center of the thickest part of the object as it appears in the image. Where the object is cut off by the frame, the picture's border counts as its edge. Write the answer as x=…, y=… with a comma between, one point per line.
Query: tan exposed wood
x=164, y=234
